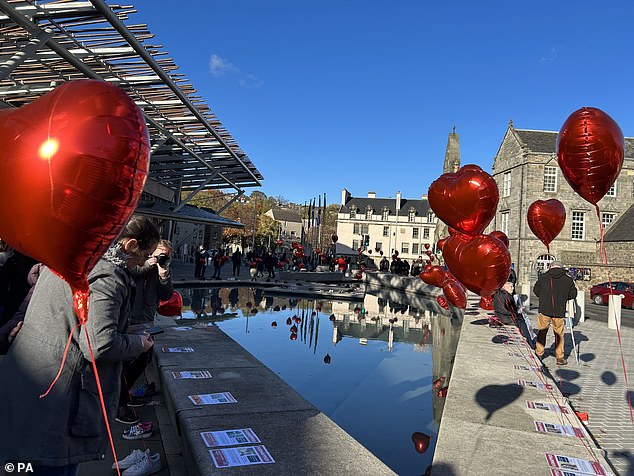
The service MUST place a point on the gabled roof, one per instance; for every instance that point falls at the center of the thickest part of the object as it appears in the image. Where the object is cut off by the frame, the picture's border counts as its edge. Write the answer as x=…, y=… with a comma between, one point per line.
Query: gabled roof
x=187, y=213
x=545, y=142
x=280, y=214
x=621, y=229
x=379, y=204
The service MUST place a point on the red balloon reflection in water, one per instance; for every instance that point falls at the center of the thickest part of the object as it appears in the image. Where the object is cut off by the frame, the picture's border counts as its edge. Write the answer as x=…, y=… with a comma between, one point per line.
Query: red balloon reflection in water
x=293, y=336
x=442, y=393
x=327, y=359
x=273, y=324
x=293, y=329
x=590, y=152
x=421, y=441
x=332, y=317
x=73, y=168
x=466, y=200
x=546, y=219
x=288, y=321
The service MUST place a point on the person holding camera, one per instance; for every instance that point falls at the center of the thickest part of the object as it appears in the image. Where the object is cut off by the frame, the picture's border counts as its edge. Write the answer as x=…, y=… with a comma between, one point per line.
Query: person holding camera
x=153, y=284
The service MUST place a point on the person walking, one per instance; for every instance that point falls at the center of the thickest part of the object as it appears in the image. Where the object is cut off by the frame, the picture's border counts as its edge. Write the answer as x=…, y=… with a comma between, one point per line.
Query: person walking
x=553, y=288
x=66, y=427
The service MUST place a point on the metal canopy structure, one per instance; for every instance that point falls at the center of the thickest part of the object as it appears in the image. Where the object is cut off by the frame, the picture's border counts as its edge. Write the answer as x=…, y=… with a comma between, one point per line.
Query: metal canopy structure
x=44, y=43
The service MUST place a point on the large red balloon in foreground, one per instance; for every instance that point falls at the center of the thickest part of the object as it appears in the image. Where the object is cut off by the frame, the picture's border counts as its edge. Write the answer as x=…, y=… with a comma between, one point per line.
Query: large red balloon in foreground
x=590, y=152
x=482, y=263
x=466, y=200
x=73, y=166
x=546, y=219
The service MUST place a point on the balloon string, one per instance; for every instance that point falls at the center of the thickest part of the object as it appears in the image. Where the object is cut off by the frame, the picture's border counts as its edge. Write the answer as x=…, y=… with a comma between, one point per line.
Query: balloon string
x=61, y=367
x=102, y=402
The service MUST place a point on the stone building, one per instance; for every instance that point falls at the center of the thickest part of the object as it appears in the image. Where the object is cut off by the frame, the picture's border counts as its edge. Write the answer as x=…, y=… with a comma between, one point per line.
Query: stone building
x=385, y=224
x=525, y=169
x=289, y=222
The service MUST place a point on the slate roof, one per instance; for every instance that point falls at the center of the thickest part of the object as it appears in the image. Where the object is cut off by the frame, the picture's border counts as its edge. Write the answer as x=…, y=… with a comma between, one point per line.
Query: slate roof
x=621, y=229
x=378, y=204
x=280, y=214
x=545, y=142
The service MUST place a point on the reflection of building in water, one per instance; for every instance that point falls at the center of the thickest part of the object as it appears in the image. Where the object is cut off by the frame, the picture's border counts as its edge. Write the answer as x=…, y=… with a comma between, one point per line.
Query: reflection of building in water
x=445, y=334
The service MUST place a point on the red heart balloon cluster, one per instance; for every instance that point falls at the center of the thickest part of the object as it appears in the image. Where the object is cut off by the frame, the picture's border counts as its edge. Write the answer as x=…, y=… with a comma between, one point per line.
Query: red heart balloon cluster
x=74, y=163
x=590, y=152
x=546, y=219
x=466, y=200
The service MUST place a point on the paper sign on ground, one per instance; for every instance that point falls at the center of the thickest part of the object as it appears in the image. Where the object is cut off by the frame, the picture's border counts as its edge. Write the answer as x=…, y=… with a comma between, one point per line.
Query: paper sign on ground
x=246, y=455
x=551, y=407
x=229, y=437
x=182, y=328
x=557, y=429
x=527, y=367
x=565, y=472
x=515, y=354
x=580, y=465
x=526, y=383
x=193, y=374
x=212, y=398
x=177, y=349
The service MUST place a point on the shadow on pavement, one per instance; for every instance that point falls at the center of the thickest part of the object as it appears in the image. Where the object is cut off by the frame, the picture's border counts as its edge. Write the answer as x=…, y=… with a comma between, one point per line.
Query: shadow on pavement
x=494, y=397
x=608, y=378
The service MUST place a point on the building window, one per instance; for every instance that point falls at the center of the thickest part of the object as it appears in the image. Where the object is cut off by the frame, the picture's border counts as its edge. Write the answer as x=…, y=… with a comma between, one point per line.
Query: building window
x=414, y=248
x=355, y=228
x=506, y=186
x=378, y=246
x=368, y=214
x=364, y=228
x=386, y=231
x=411, y=215
x=550, y=179
x=430, y=217
x=578, y=225
x=504, y=222
x=355, y=244
x=386, y=214
x=405, y=248
x=425, y=233
x=607, y=218
x=632, y=188
x=353, y=213
x=415, y=233
x=612, y=191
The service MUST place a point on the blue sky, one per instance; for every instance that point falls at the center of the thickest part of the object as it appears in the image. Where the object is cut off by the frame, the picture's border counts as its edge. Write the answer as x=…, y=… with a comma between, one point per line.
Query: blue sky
x=363, y=94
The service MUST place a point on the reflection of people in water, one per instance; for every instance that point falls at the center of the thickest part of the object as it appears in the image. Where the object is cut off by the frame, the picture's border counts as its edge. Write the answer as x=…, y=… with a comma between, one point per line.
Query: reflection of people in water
x=257, y=296
x=198, y=302
x=233, y=297
x=215, y=302
x=269, y=302
x=292, y=302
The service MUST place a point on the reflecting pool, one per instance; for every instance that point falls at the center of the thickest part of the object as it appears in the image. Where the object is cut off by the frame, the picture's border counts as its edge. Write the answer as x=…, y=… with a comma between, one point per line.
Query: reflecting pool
x=378, y=367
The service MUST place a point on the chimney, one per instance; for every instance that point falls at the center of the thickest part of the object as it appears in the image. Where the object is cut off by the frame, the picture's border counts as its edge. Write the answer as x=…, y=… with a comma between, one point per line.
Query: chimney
x=424, y=196
x=345, y=196
x=371, y=194
x=398, y=201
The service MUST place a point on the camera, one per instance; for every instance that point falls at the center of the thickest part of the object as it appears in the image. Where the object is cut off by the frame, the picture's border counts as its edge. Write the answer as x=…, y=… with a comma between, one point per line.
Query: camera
x=163, y=260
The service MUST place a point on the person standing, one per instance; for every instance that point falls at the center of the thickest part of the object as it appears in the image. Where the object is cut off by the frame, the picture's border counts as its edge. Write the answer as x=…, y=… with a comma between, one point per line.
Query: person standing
x=236, y=259
x=66, y=427
x=200, y=260
x=553, y=288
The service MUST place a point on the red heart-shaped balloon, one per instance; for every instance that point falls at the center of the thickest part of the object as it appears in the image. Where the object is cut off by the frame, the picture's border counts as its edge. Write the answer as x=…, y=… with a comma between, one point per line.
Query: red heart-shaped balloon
x=442, y=302
x=455, y=293
x=590, y=152
x=482, y=263
x=500, y=235
x=466, y=200
x=434, y=276
x=74, y=163
x=546, y=219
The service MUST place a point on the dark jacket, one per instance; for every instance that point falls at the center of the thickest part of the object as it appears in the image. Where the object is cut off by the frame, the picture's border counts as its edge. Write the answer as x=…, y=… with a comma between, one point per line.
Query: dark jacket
x=504, y=307
x=150, y=289
x=554, y=288
x=66, y=427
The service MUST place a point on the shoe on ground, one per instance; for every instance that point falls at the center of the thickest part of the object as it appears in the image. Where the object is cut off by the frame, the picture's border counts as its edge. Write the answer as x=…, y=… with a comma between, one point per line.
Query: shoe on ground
x=562, y=362
x=139, y=431
x=148, y=464
x=144, y=391
x=131, y=459
x=127, y=415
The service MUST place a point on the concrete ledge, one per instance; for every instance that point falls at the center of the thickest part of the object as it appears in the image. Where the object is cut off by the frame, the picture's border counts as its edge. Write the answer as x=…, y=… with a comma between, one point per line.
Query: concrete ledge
x=486, y=427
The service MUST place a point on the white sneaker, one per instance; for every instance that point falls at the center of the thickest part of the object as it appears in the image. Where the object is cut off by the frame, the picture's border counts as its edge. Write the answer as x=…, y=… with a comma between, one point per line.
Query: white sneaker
x=148, y=464
x=131, y=459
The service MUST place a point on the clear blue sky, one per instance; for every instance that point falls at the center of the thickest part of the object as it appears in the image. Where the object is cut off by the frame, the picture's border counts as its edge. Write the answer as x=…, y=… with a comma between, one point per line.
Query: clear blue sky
x=362, y=94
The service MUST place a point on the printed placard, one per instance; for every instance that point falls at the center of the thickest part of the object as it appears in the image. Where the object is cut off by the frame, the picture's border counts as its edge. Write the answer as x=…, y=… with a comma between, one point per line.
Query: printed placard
x=575, y=465
x=528, y=368
x=540, y=385
x=176, y=349
x=191, y=374
x=550, y=407
x=241, y=456
x=565, y=472
x=557, y=429
x=229, y=437
x=212, y=398
x=516, y=354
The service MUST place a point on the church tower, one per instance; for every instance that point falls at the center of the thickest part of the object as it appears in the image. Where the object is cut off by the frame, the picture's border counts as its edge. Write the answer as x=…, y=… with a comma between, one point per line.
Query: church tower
x=450, y=166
